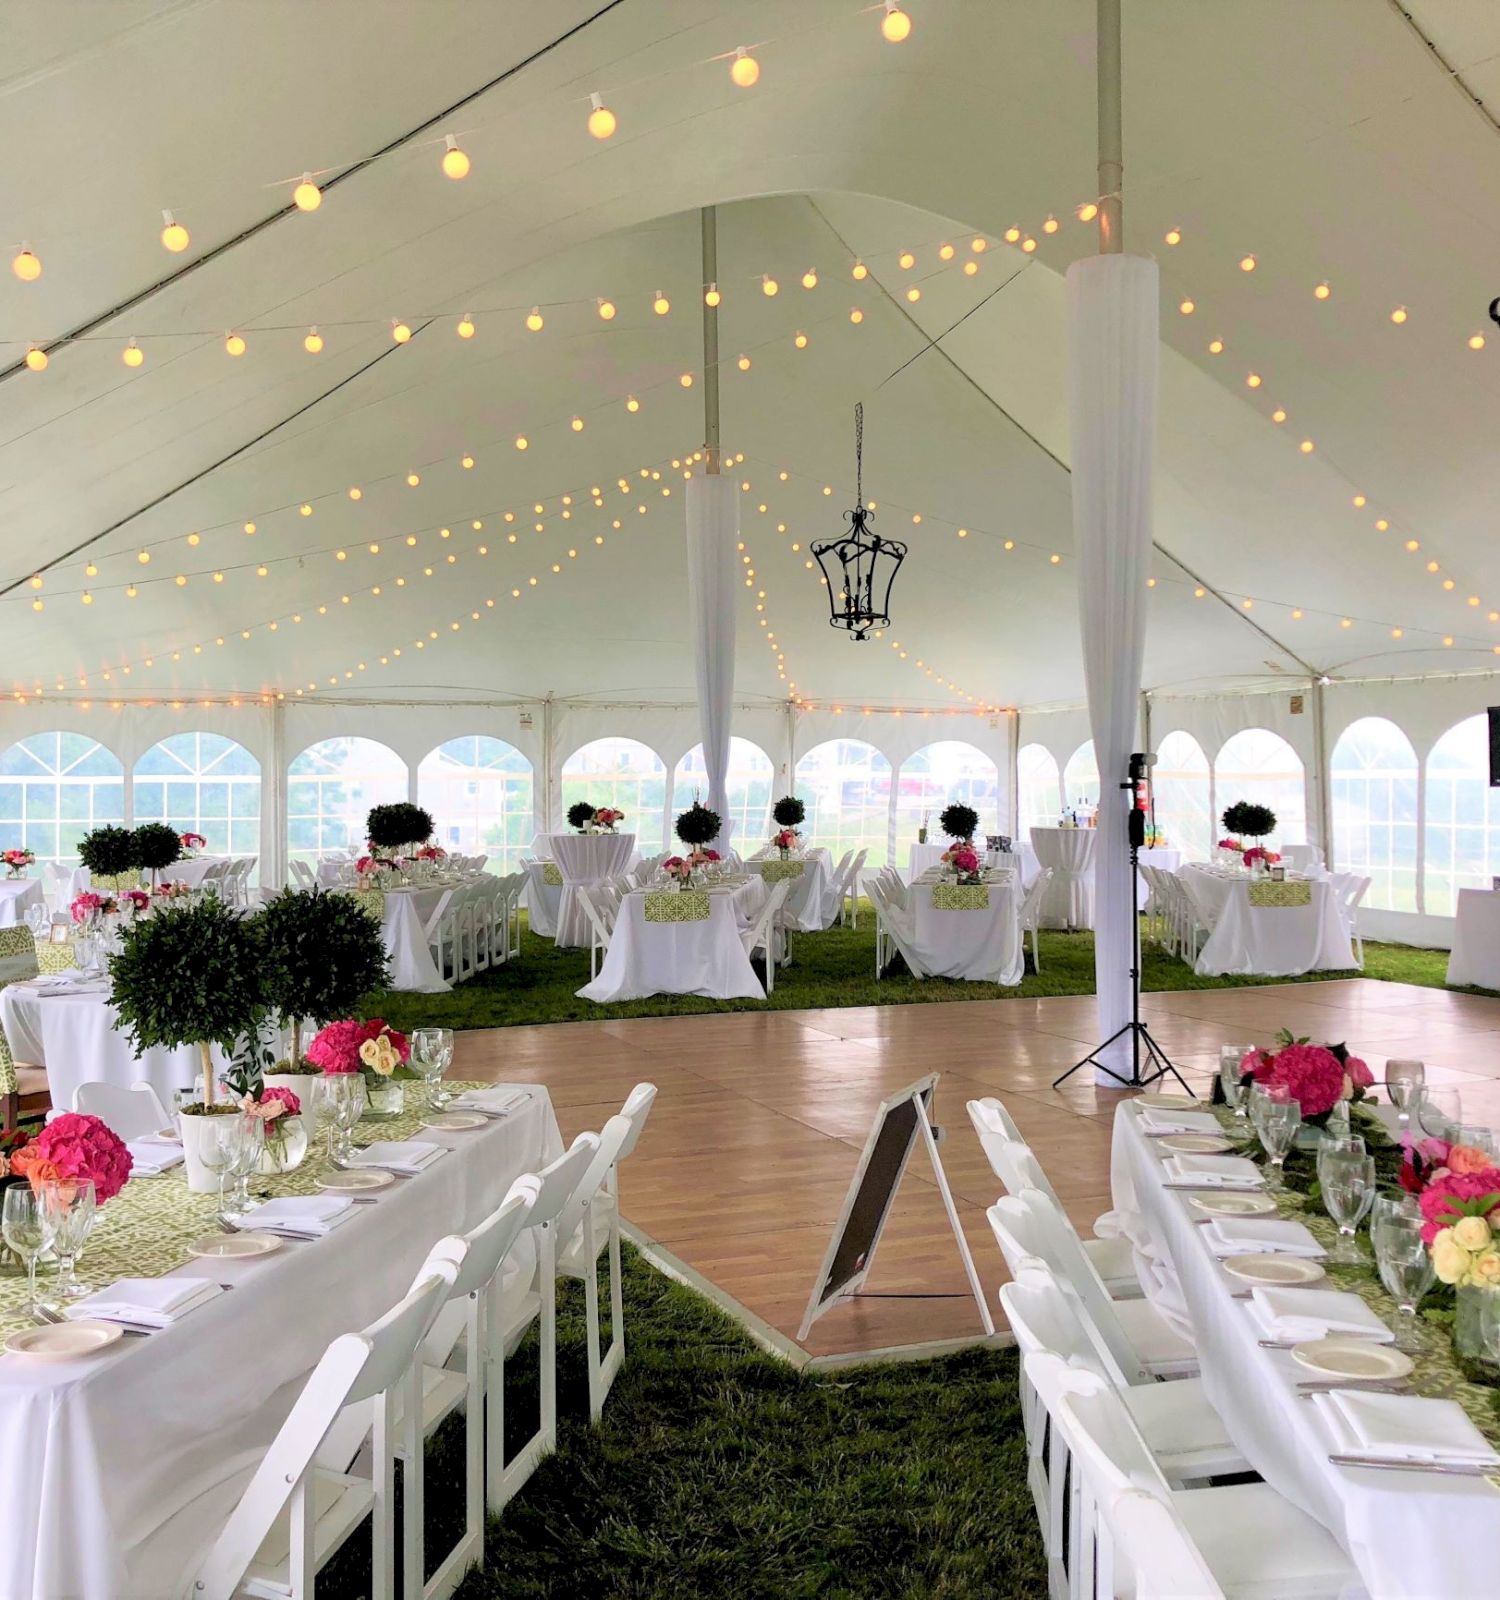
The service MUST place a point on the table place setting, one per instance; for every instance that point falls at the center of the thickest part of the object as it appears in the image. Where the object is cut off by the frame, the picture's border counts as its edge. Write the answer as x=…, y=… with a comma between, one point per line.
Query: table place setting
x=1184, y=1171
x=1157, y=1121
x=1403, y=1432
x=405, y=1158
x=1260, y=1236
x=307, y=1216
x=145, y=1304
x=154, y=1156
x=495, y=1102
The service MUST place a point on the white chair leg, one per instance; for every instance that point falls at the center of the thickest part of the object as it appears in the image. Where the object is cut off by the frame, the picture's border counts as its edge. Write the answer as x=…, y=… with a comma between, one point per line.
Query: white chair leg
x=413, y=1532
x=591, y=1325
x=494, y=1407
x=383, y=1481
x=301, y=1557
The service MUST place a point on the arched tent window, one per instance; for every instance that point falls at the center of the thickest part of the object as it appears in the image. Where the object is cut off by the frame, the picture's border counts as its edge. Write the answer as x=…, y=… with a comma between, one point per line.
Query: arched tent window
x=54, y=788
x=1038, y=789
x=627, y=775
x=202, y=783
x=939, y=775
x=1374, y=796
x=846, y=785
x=1081, y=778
x=1462, y=833
x=479, y=791
x=747, y=784
x=1182, y=800
x=330, y=789
x=1261, y=766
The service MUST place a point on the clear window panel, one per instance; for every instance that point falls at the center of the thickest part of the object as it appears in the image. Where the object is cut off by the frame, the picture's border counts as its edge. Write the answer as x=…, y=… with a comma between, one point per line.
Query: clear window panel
x=1081, y=779
x=1260, y=766
x=748, y=782
x=1038, y=788
x=187, y=781
x=1462, y=834
x=479, y=791
x=58, y=777
x=946, y=773
x=1373, y=792
x=846, y=786
x=331, y=787
x=626, y=775
x=1181, y=800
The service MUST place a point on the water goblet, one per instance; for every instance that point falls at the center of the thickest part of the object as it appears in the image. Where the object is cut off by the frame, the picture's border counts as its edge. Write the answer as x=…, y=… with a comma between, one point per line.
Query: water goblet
x=26, y=1226
x=431, y=1053
x=246, y=1160
x=1403, y=1078
x=1438, y=1112
x=348, y=1108
x=1280, y=1120
x=1477, y=1137
x=1405, y=1270
x=1348, y=1183
x=71, y=1209
x=1230, y=1077
x=317, y=1105
x=219, y=1148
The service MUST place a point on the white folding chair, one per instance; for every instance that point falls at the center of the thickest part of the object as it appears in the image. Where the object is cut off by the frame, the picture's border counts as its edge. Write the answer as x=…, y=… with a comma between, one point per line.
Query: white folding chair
x=1030, y=916
x=295, y=1513
x=1132, y=1333
x=893, y=928
x=595, y=900
x=594, y=1212
x=850, y=890
x=1304, y=857
x=1351, y=890
x=131, y=1112
x=762, y=934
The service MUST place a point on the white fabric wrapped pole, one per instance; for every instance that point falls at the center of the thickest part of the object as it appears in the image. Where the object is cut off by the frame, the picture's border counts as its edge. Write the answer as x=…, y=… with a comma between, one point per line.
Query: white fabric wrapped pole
x=713, y=528
x=1112, y=336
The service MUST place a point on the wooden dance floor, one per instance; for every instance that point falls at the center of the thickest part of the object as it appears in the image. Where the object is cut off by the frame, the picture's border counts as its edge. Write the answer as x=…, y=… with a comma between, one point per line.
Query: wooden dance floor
x=761, y=1116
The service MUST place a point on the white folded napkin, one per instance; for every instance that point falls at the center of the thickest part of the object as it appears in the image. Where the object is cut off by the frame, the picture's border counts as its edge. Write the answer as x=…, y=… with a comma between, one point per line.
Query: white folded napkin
x=1402, y=1427
x=407, y=1156
x=149, y=1158
x=1256, y=1236
x=1176, y=1119
x=1295, y=1316
x=146, y=1302
x=1213, y=1172
x=298, y=1215
x=494, y=1101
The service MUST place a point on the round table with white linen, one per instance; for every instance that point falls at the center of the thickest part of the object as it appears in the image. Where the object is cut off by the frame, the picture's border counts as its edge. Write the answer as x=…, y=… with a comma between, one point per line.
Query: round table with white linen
x=1475, y=957
x=1266, y=940
x=1387, y=1521
x=706, y=956
x=1069, y=900
x=981, y=945
x=805, y=909
x=585, y=858
x=919, y=857
x=17, y=896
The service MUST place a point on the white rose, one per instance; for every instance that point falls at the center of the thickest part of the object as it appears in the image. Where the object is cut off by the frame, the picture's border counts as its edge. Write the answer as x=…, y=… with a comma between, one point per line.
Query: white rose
x=1449, y=1261
x=1473, y=1233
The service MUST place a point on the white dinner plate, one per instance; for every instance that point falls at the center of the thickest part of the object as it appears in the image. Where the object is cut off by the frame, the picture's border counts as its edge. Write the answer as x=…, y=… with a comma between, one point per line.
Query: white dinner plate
x=455, y=1121
x=1169, y=1102
x=64, y=1341
x=1197, y=1144
x=1343, y=1357
x=1287, y=1272
x=233, y=1246
x=355, y=1178
x=1233, y=1205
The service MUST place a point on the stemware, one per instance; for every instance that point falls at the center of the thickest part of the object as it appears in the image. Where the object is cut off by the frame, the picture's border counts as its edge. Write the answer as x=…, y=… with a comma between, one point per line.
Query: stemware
x=348, y=1106
x=246, y=1159
x=1405, y=1269
x=1280, y=1119
x=431, y=1053
x=71, y=1209
x=317, y=1106
x=26, y=1226
x=1230, y=1057
x=1478, y=1137
x=1439, y=1112
x=86, y=953
x=219, y=1149
x=1347, y=1178
x=1403, y=1077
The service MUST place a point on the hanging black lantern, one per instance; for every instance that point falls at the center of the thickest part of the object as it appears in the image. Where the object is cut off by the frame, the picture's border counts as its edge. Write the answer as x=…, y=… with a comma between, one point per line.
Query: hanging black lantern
x=859, y=567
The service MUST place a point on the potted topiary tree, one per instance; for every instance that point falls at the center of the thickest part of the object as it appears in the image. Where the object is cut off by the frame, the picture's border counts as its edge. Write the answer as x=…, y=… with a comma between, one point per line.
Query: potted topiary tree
x=959, y=822
x=398, y=829
x=788, y=812
x=190, y=975
x=319, y=953
x=580, y=815
x=110, y=855
x=1247, y=820
x=157, y=847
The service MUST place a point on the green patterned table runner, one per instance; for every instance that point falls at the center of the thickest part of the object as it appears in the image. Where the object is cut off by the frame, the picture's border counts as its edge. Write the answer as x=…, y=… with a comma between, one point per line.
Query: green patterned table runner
x=53, y=958
x=960, y=897
x=777, y=871
x=371, y=900
x=552, y=875
x=1288, y=892
x=145, y=1230
x=677, y=905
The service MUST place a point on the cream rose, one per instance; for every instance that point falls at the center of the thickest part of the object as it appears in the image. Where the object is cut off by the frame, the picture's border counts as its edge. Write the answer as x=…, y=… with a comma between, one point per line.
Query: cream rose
x=1486, y=1269
x=1449, y=1260
x=379, y=1055
x=1473, y=1233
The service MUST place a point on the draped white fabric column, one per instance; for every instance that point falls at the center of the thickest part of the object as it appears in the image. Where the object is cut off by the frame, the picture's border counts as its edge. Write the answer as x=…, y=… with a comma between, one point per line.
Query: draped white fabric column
x=1113, y=333
x=713, y=527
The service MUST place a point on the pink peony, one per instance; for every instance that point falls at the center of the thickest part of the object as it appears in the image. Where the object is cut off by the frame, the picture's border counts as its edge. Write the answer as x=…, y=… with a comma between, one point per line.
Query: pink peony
x=76, y=1145
x=1359, y=1074
x=1311, y=1075
x=291, y=1106
x=1460, y=1187
x=87, y=905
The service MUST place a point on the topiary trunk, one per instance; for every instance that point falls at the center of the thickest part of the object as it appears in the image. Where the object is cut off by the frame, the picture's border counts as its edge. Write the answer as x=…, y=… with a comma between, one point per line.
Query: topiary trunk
x=206, y=1055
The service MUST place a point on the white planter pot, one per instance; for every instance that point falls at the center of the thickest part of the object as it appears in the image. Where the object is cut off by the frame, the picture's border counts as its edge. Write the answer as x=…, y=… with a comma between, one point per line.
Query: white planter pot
x=297, y=1082
x=199, y=1179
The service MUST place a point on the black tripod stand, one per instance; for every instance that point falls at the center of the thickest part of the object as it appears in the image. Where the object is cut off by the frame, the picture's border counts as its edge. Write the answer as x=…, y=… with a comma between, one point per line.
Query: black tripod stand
x=1156, y=1058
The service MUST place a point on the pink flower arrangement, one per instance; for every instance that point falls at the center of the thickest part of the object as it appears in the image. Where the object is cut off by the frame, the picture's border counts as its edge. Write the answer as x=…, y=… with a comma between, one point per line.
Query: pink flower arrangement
x=191, y=841
x=676, y=867
x=172, y=891
x=785, y=840
x=963, y=858
x=1260, y=853
x=1231, y=844
x=336, y=1047
x=75, y=1146
x=16, y=859
x=136, y=899
x=88, y=907
x=1316, y=1076
x=607, y=816
x=702, y=857
x=1449, y=1196
x=364, y=864
x=432, y=852
x=284, y=1101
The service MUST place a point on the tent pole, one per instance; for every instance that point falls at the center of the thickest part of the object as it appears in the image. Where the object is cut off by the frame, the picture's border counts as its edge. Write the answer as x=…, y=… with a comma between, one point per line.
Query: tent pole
x=710, y=342
x=1111, y=144
x=1322, y=810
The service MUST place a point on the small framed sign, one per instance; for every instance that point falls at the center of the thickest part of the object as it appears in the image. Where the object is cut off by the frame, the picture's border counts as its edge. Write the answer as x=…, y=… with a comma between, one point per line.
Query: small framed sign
x=1278, y=874
x=59, y=933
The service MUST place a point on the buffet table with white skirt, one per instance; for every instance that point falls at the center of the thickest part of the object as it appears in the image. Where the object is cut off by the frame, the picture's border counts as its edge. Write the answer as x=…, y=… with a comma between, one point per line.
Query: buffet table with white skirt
x=1475, y=957
x=17, y=897
x=1069, y=900
x=981, y=944
x=403, y=926
x=1274, y=941
x=702, y=955
x=585, y=858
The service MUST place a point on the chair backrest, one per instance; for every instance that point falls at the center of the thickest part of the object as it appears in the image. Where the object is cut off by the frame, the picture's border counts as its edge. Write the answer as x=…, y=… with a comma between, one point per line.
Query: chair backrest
x=1032, y=901
x=489, y=1243
x=637, y=1108
x=991, y=1119
x=558, y=1179
x=1351, y=890
x=1163, y=1559
x=1043, y=1316
x=761, y=927
x=1088, y=1411
x=131, y=1112
x=610, y=1139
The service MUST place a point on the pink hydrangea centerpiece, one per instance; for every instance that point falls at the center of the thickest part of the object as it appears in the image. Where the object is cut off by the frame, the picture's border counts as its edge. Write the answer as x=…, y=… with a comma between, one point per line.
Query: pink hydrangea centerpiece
x=1317, y=1076
x=77, y=1146
x=964, y=860
x=340, y=1047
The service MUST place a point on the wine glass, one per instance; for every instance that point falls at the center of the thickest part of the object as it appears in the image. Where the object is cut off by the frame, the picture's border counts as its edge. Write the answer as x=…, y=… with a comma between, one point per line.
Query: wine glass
x=1405, y=1270
x=1439, y=1112
x=71, y=1209
x=26, y=1226
x=1280, y=1119
x=246, y=1159
x=1347, y=1178
x=219, y=1149
x=348, y=1108
x=85, y=954
x=431, y=1052
x=1403, y=1077
x=317, y=1104
x=1230, y=1078
x=1478, y=1137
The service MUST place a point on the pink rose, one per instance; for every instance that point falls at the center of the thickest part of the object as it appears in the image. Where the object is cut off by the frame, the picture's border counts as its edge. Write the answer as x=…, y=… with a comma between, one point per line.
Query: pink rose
x=1359, y=1074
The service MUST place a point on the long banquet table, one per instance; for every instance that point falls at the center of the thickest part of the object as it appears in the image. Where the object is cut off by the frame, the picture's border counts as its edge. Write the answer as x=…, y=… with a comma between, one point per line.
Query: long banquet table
x=1273, y=941
x=980, y=944
x=1413, y=1535
x=101, y=1452
x=806, y=908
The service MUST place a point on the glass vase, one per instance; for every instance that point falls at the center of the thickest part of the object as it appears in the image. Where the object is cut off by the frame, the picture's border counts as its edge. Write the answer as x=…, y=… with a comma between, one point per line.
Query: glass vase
x=384, y=1099
x=1468, y=1312
x=283, y=1146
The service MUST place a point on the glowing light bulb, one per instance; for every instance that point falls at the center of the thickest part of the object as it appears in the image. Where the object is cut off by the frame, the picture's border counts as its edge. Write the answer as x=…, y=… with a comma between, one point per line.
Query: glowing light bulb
x=906, y=261
x=144, y=557
x=744, y=70
x=400, y=332
x=602, y=123
x=1050, y=225
x=979, y=244
x=1359, y=500
x=1028, y=244
x=576, y=424
x=455, y=162
x=522, y=442
x=234, y=345
x=174, y=236
x=1278, y=415
x=26, y=265
x=1476, y=341
x=945, y=252
x=1247, y=263
x=686, y=380
x=859, y=272
x=313, y=343
x=743, y=363
x=1306, y=447
x=660, y=304
x=914, y=294
x=307, y=196
x=413, y=479
x=1012, y=235
x=1252, y=380
x=466, y=463
x=970, y=268
x=304, y=510
x=132, y=355
x=465, y=328
x=895, y=25
x=1088, y=211
x=1187, y=308
x=355, y=492
x=711, y=295
x=36, y=359
x=810, y=278
x=631, y=403
x=534, y=320
x=1398, y=316
x=769, y=286
x=606, y=310
x=1216, y=347
x=856, y=316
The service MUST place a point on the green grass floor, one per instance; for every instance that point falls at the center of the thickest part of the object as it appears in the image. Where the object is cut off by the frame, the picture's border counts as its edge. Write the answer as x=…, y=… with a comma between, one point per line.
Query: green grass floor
x=719, y=1472
x=836, y=968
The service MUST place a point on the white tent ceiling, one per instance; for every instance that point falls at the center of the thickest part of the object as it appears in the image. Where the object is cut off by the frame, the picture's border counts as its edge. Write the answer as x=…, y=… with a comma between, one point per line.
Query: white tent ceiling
x=1324, y=140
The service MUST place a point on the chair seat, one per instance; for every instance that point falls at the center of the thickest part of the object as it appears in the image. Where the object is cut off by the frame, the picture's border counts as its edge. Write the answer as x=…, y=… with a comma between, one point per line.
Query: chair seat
x=1261, y=1547
x=1160, y=1348
x=1185, y=1434
x=30, y=1080
x=1114, y=1261
x=342, y=1503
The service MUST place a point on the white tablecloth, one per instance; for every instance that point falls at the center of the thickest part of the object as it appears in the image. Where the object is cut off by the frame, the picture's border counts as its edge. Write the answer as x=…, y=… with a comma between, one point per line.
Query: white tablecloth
x=403, y=926
x=919, y=857
x=76, y=1037
x=113, y=1444
x=806, y=907
x=542, y=899
x=1475, y=957
x=584, y=858
x=1271, y=941
x=706, y=958
x=982, y=946
x=17, y=896
x=1392, y=1524
x=1069, y=901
